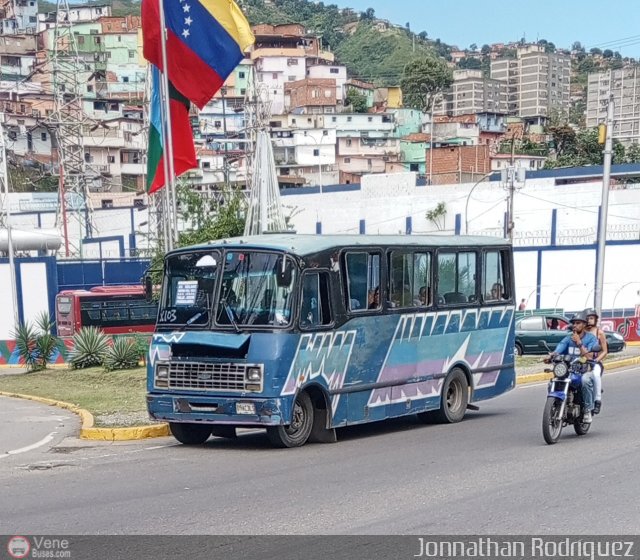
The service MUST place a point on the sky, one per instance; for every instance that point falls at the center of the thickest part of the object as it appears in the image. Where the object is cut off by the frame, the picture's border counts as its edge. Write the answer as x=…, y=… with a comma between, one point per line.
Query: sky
x=605, y=24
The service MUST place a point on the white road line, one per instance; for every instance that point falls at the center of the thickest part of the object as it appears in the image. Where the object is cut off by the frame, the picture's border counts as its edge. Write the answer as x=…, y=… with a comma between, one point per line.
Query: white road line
x=620, y=371
x=40, y=443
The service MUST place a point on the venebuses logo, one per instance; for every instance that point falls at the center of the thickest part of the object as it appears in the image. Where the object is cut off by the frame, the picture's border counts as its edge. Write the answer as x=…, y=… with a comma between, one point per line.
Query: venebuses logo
x=18, y=547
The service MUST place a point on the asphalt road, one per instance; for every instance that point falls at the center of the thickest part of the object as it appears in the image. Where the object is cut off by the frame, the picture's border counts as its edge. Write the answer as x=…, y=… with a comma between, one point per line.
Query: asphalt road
x=492, y=473
x=28, y=427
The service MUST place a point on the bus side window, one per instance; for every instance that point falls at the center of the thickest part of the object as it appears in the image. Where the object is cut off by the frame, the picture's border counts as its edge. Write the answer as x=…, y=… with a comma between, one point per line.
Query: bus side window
x=315, y=309
x=495, y=286
x=363, y=281
x=456, y=278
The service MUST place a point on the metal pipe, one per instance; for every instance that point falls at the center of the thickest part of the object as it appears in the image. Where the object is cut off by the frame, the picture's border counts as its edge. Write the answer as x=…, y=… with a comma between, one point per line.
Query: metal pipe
x=7, y=208
x=604, y=208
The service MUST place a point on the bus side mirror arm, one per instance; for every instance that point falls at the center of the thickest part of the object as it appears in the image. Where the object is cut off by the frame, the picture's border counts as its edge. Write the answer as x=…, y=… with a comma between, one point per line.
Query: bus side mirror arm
x=148, y=287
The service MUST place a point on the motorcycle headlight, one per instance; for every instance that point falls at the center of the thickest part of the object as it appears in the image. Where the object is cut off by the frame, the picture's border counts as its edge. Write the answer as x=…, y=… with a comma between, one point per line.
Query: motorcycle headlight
x=561, y=370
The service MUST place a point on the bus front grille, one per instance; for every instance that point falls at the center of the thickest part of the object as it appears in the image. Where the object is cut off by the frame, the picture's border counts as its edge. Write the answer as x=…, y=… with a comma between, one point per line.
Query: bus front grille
x=199, y=376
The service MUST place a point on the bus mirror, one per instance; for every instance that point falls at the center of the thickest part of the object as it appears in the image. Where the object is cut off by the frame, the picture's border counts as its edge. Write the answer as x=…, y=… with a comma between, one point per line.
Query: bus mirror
x=148, y=287
x=283, y=273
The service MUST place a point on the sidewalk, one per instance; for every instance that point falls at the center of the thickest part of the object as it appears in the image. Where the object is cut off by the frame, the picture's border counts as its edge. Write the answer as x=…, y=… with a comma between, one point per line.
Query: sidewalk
x=628, y=352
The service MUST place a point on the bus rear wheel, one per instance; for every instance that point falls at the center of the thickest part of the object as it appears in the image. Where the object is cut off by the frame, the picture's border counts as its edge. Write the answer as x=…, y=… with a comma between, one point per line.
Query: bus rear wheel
x=455, y=397
x=190, y=434
x=297, y=433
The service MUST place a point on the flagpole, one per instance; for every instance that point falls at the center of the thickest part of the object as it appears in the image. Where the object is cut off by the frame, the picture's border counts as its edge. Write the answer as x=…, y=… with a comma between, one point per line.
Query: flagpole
x=166, y=206
x=171, y=178
x=7, y=208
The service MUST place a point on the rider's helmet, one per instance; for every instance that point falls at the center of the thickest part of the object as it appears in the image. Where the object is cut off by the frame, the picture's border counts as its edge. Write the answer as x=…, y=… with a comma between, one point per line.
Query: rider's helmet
x=581, y=316
x=591, y=312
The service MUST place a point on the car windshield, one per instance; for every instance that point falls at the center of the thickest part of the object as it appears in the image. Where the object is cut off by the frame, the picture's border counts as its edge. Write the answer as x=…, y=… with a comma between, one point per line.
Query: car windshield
x=257, y=289
x=188, y=289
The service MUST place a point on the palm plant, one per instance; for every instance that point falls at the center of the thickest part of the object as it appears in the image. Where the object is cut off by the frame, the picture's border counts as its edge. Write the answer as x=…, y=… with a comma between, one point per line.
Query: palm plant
x=123, y=354
x=90, y=346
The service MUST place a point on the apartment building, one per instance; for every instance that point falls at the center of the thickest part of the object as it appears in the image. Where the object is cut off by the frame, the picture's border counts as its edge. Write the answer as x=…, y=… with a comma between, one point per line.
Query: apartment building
x=17, y=56
x=304, y=150
x=282, y=54
x=18, y=17
x=538, y=82
x=624, y=86
x=472, y=93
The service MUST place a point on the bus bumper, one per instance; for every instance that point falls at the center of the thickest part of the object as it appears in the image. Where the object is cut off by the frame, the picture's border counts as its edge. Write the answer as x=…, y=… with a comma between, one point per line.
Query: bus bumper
x=237, y=411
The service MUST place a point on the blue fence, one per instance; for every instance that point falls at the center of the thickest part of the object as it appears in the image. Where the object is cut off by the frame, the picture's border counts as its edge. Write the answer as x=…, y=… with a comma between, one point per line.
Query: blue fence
x=79, y=275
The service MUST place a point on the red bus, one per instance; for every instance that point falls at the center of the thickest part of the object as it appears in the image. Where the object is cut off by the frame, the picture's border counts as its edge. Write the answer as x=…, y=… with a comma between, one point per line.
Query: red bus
x=114, y=309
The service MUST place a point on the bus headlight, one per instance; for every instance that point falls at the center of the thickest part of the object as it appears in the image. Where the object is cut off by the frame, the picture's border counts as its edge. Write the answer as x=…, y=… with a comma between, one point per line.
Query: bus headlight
x=254, y=374
x=162, y=371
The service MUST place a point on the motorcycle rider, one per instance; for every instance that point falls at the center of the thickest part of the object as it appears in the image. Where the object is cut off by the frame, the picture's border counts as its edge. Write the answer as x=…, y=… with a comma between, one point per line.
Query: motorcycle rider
x=599, y=355
x=580, y=344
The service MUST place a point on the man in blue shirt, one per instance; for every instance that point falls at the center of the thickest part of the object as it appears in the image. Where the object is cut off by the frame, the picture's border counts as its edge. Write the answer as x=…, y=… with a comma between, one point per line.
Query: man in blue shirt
x=580, y=344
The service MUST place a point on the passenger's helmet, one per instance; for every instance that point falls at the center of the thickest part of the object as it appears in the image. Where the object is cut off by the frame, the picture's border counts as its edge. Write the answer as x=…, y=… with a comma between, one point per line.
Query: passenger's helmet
x=581, y=316
x=591, y=312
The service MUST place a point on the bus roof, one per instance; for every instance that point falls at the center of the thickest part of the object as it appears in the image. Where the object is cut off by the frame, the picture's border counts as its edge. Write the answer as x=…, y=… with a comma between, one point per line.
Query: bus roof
x=310, y=244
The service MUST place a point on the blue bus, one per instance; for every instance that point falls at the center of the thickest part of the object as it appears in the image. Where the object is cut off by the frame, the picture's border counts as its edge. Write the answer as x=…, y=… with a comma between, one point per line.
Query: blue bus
x=303, y=334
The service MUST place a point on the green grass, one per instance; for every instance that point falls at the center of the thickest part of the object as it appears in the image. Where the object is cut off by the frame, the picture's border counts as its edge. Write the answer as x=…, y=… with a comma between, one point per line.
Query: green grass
x=524, y=361
x=100, y=393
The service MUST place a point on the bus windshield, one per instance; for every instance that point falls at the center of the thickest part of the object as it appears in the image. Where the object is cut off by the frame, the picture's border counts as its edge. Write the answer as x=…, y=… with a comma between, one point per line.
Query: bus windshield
x=256, y=289
x=189, y=289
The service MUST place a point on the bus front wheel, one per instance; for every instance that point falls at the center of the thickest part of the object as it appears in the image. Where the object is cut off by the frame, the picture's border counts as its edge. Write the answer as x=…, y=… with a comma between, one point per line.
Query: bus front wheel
x=190, y=434
x=297, y=433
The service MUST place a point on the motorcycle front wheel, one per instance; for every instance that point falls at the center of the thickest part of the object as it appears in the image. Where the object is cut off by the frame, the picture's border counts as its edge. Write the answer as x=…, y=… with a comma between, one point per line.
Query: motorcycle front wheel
x=551, y=420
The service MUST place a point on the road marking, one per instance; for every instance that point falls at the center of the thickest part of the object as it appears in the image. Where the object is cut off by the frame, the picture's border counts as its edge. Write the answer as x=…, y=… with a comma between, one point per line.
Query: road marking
x=40, y=443
x=630, y=369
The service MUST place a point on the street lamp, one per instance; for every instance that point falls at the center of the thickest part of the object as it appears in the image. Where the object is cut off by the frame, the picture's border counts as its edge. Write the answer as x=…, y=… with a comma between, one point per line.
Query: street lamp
x=613, y=306
x=466, y=205
x=319, y=144
x=565, y=289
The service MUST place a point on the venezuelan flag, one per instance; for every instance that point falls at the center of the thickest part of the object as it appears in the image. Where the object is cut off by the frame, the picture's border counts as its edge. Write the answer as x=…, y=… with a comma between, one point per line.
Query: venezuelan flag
x=184, y=153
x=206, y=40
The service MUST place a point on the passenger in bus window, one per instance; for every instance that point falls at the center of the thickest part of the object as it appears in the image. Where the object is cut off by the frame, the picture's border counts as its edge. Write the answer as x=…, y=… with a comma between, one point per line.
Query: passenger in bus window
x=423, y=296
x=374, y=298
x=497, y=292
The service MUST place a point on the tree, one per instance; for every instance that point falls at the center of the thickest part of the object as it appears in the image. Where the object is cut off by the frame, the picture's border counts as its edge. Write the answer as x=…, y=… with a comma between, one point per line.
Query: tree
x=473, y=47
x=607, y=53
x=564, y=139
x=423, y=35
x=422, y=80
x=358, y=101
x=438, y=215
x=577, y=46
x=595, y=51
x=368, y=14
x=470, y=63
x=485, y=50
x=633, y=153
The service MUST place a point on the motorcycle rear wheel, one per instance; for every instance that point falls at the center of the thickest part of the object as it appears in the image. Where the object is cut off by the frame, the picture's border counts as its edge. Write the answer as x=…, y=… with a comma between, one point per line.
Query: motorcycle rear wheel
x=551, y=421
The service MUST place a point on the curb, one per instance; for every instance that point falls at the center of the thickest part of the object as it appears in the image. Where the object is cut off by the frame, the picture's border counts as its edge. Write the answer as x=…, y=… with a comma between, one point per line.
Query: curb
x=88, y=431
x=536, y=377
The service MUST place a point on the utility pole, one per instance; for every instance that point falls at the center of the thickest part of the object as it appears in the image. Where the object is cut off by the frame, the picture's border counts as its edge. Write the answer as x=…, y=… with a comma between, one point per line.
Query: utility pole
x=225, y=165
x=604, y=208
x=4, y=177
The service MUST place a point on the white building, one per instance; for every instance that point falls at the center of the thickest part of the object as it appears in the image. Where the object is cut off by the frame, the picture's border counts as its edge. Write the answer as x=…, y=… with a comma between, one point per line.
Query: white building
x=331, y=72
x=624, y=86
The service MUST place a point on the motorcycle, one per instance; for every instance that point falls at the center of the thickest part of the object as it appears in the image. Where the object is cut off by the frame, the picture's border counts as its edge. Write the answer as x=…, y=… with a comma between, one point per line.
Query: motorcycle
x=564, y=398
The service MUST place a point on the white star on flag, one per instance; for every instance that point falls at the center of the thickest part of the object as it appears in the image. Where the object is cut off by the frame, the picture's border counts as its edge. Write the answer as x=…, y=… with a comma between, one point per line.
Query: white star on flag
x=188, y=20
x=186, y=7
x=185, y=33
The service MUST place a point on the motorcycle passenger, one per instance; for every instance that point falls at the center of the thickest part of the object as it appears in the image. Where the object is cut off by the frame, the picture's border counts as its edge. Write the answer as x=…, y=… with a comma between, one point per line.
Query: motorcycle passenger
x=599, y=355
x=580, y=344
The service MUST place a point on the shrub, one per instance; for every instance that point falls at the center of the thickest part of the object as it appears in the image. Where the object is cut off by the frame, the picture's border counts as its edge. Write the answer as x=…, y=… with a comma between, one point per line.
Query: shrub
x=36, y=345
x=90, y=346
x=123, y=354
